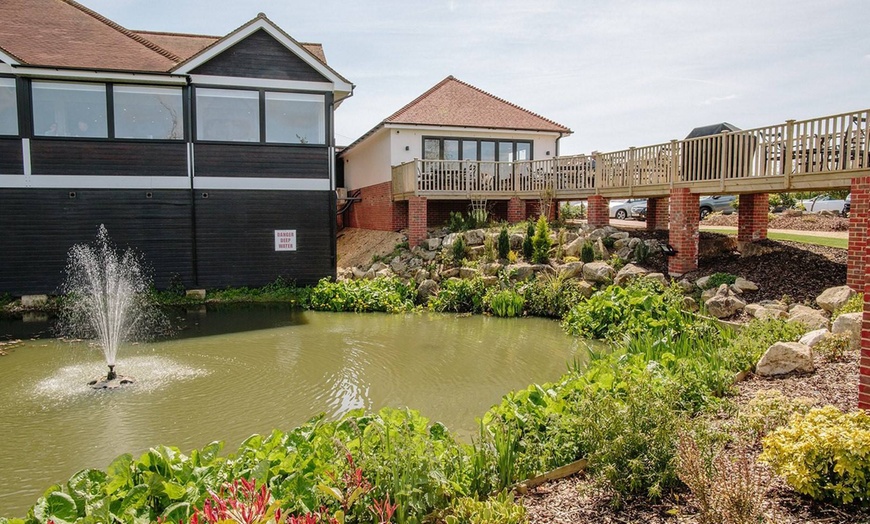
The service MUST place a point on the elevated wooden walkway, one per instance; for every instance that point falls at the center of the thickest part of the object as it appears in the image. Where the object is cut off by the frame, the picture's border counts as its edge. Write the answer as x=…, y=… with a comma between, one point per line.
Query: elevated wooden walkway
x=816, y=154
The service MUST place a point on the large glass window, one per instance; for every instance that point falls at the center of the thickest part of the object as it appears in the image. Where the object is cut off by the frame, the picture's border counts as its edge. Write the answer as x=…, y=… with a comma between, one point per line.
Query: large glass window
x=8, y=107
x=295, y=118
x=148, y=112
x=476, y=149
x=431, y=149
x=69, y=109
x=228, y=115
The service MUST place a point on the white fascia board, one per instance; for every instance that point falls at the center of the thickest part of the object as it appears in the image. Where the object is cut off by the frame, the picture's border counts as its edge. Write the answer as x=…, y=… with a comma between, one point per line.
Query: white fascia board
x=267, y=83
x=267, y=184
x=446, y=130
x=6, y=68
x=94, y=182
x=9, y=59
x=113, y=76
x=339, y=84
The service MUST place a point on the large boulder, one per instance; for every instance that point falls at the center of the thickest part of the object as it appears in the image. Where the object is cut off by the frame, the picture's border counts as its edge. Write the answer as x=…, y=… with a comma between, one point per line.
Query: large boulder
x=433, y=244
x=834, y=298
x=426, y=289
x=398, y=266
x=763, y=312
x=745, y=285
x=598, y=272
x=572, y=249
x=724, y=303
x=585, y=288
x=849, y=324
x=490, y=269
x=570, y=270
x=809, y=317
x=475, y=237
x=468, y=272
x=448, y=241
x=627, y=273
x=814, y=337
x=785, y=357
x=521, y=271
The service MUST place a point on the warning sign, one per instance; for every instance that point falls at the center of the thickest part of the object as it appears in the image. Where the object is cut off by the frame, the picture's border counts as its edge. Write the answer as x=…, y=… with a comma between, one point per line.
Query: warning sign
x=285, y=240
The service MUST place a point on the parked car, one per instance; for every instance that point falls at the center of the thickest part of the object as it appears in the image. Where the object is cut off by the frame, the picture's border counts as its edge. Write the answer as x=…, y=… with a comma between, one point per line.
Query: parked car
x=639, y=211
x=720, y=203
x=847, y=206
x=621, y=209
x=824, y=202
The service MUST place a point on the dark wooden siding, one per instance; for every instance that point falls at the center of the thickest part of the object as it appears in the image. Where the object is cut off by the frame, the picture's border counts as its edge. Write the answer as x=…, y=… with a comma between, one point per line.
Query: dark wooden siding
x=11, y=162
x=40, y=225
x=236, y=237
x=90, y=157
x=260, y=56
x=267, y=161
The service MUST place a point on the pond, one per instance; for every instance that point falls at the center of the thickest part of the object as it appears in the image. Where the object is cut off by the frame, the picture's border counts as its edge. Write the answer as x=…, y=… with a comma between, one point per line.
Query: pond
x=232, y=372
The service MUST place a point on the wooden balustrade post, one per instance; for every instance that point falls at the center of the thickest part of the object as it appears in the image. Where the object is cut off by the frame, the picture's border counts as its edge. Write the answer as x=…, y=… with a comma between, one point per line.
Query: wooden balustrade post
x=630, y=168
x=596, y=170
x=675, y=162
x=723, y=159
x=788, y=161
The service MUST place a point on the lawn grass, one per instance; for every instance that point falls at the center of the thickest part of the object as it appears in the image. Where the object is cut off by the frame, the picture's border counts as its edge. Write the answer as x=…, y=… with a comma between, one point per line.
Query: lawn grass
x=842, y=243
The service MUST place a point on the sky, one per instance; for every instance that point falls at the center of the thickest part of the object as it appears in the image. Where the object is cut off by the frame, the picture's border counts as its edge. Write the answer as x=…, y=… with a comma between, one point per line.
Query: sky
x=619, y=73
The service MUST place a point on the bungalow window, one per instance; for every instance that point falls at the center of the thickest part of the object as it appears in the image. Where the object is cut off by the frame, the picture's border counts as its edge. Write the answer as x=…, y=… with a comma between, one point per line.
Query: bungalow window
x=69, y=109
x=295, y=118
x=148, y=112
x=228, y=115
x=8, y=107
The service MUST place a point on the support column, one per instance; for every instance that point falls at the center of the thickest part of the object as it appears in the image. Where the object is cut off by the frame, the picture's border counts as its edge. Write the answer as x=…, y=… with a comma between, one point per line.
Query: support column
x=864, y=358
x=657, y=213
x=859, y=222
x=752, y=217
x=683, y=231
x=417, y=220
x=516, y=211
x=599, y=211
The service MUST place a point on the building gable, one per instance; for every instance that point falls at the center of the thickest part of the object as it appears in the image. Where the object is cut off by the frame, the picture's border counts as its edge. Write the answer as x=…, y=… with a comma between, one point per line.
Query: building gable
x=260, y=56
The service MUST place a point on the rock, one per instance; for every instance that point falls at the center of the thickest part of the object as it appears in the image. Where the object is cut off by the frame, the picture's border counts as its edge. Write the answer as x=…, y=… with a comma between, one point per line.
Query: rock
x=475, y=252
x=598, y=233
x=689, y=304
x=425, y=290
x=358, y=273
x=598, y=272
x=622, y=243
x=571, y=236
x=660, y=277
x=585, y=288
x=736, y=290
x=450, y=273
x=724, y=303
x=686, y=285
x=377, y=266
x=398, y=265
x=572, y=249
x=628, y=272
x=429, y=256
x=475, y=237
x=774, y=304
x=198, y=294
x=710, y=246
x=809, y=317
x=633, y=242
x=753, y=249
x=620, y=235
x=785, y=357
x=600, y=250
x=468, y=272
x=385, y=273
x=814, y=337
x=702, y=282
x=490, y=281
x=761, y=312
x=707, y=294
x=520, y=271
x=834, y=297
x=625, y=253
x=448, y=241
x=490, y=269
x=517, y=241
x=745, y=285
x=543, y=269
x=421, y=275
x=434, y=244
x=570, y=270
x=849, y=324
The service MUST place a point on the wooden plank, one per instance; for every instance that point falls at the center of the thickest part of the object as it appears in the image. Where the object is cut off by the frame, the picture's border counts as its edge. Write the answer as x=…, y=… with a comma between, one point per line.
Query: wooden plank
x=556, y=474
x=108, y=158
x=260, y=160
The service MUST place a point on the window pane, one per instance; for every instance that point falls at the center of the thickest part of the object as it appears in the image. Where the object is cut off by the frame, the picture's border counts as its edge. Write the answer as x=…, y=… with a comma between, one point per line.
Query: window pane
x=487, y=151
x=524, y=151
x=431, y=149
x=505, y=152
x=295, y=118
x=148, y=112
x=69, y=109
x=469, y=149
x=228, y=115
x=8, y=107
x=451, y=150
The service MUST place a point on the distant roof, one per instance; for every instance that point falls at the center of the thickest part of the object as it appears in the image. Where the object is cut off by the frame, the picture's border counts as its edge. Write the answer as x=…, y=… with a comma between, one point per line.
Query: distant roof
x=454, y=103
x=712, y=129
x=64, y=33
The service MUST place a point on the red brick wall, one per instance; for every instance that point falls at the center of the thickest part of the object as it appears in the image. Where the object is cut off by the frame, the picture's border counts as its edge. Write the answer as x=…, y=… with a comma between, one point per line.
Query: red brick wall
x=376, y=209
x=516, y=210
x=417, y=220
x=752, y=217
x=864, y=361
x=657, y=214
x=683, y=234
x=859, y=222
x=599, y=211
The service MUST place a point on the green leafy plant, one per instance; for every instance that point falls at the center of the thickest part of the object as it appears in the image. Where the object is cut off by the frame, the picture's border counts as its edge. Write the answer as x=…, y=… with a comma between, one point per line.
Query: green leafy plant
x=855, y=304
x=541, y=242
x=512, y=257
x=641, y=252
x=560, y=243
x=362, y=296
x=587, y=253
x=717, y=279
x=833, y=348
x=528, y=243
x=489, y=252
x=750, y=342
x=504, y=243
x=459, y=296
x=768, y=410
x=823, y=454
x=498, y=510
x=504, y=303
x=458, y=249
x=456, y=222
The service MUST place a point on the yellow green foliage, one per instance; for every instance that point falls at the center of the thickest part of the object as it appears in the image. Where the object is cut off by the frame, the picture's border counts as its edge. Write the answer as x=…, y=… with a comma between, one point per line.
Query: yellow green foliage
x=769, y=409
x=824, y=454
x=499, y=510
x=855, y=304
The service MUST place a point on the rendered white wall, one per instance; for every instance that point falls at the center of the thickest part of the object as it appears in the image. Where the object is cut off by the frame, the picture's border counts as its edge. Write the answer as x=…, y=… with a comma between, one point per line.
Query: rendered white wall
x=368, y=163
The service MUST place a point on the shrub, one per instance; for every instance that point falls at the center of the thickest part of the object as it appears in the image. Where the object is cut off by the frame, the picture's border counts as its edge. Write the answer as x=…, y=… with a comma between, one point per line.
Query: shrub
x=499, y=510
x=823, y=454
x=455, y=222
x=504, y=243
x=717, y=279
x=489, y=252
x=587, y=253
x=616, y=262
x=833, y=347
x=362, y=296
x=541, y=242
x=768, y=410
x=569, y=212
x=528, y=245
x=608, y=242
x=459, y=296
x=512, y=257
x=504, y=303
x=855, y=304
x=753, y=340
x=551, y=296
x=641, y=252
x=458, y=249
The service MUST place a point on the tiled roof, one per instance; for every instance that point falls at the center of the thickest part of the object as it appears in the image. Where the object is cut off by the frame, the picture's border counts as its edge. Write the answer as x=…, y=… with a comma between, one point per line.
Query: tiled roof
x=64, y=33
x=452, y=102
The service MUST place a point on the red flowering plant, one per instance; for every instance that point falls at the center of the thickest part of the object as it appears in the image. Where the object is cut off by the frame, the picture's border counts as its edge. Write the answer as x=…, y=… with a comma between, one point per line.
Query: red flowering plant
x=240, y=502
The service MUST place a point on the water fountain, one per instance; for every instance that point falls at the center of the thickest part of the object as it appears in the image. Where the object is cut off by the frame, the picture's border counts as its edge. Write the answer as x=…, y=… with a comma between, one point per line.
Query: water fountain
x=106, y=301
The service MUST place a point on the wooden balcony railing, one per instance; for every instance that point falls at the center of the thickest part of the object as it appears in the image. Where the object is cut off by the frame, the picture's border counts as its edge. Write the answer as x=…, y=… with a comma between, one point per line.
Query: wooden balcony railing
x=808, y=154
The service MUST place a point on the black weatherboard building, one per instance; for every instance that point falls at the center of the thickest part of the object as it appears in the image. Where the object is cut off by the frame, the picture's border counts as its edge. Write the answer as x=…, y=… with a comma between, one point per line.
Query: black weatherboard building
x=212, y=156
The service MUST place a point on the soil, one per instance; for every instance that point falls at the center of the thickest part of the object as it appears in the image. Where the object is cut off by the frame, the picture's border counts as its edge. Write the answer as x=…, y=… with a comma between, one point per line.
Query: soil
x=805, y=222
x=357, y=247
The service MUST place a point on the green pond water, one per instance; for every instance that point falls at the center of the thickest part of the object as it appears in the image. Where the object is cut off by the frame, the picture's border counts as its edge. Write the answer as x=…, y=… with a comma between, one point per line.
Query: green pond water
x=232, y=373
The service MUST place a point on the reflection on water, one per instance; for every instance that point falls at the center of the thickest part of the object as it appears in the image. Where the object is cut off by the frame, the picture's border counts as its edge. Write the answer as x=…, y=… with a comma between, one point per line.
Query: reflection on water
x=229, y=373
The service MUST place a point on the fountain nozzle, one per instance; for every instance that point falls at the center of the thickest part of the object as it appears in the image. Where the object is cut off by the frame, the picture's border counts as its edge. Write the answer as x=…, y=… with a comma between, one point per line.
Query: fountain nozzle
x=112, y=375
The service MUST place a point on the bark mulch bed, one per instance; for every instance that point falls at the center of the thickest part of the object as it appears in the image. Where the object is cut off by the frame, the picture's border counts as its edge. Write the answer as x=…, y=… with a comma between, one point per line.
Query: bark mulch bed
x=575, y=500
x=805, y=222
